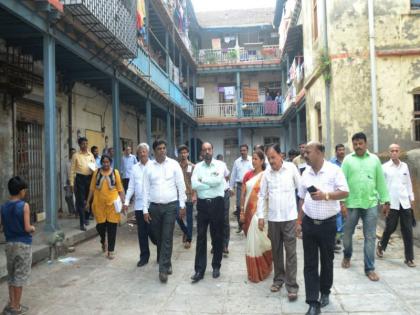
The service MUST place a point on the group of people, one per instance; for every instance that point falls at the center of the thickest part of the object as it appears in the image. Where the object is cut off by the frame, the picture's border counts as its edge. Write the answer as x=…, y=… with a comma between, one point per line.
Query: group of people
x=302, y=198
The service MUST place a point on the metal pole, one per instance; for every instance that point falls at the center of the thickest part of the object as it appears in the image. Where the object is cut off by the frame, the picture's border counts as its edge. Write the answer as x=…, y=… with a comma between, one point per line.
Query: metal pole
x=188, y=81
x=168, y=133
x=181, y=132
x=189, y=140
x=289, y=128
x=327, y=84
x=50, y=171
x=238, y=94
x=167, y=51
x=149, y=122
x=116, y=122
x=194, y=88
x=283, y=139
x=372, y=51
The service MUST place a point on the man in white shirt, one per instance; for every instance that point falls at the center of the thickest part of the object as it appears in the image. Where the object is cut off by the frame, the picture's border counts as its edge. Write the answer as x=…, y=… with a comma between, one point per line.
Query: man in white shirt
x=398, y=181
x=163, y=188
x=208, y=180
x=128, y=160
x=241, y=165
x=322, y=186
x=278, y=185
x=227, y=207
x=299, y=161
x=135, y=186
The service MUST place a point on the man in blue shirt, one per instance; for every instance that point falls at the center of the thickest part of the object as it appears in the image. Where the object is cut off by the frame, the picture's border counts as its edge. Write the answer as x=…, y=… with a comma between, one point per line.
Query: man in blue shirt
x=340, y=153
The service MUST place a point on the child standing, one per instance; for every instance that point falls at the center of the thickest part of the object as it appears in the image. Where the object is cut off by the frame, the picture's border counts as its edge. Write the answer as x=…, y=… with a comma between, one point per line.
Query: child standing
x=15, y=217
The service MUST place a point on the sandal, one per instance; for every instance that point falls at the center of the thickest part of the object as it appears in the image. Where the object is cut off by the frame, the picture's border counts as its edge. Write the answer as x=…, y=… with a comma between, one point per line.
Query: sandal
x=345, y=263
x=410, y=263
x=372, y=276
x=104, y=246
x=187, y=244
x=275, y=287
x=111, y=255
x=292, y=296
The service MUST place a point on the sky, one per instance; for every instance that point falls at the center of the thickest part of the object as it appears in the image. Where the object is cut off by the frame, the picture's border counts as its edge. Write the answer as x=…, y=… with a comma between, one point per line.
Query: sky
x=217, y=5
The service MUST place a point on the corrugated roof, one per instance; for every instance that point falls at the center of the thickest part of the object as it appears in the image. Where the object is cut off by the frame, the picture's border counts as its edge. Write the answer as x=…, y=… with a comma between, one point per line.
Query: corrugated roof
x=236, y=18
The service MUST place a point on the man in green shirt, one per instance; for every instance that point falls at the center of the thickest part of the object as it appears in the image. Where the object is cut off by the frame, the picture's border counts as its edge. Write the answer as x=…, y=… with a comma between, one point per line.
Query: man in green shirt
x=366, y=180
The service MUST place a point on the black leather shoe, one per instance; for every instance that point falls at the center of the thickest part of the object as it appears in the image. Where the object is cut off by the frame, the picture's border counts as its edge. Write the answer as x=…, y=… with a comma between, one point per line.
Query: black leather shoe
x=314, y=309
x=216, y=273
x=82, y=228
x=169, y=270
x=325, y=299
x=196, y=277
x=141, y=263
x=87, y=222
x=163, y=277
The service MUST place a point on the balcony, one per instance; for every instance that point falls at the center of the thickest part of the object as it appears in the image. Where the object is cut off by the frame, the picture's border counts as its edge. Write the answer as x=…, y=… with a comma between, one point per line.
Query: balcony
x=228, y=112
x=159, y=78
x=242, y=55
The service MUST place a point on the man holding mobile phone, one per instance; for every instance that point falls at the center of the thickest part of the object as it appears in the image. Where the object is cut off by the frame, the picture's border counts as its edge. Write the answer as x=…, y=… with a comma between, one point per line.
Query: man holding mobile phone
x=322, y=186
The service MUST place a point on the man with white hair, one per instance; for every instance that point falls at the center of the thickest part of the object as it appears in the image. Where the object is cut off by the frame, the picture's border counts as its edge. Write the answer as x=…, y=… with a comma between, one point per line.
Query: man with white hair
x=397, y=177
x=135, y=186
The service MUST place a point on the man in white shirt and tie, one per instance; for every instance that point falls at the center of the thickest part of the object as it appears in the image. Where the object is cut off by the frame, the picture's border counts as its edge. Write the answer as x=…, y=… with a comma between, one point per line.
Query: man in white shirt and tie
x=278, y=185
x=398, y=181
x=135, y=186
x=163, y=188
x=241, y=165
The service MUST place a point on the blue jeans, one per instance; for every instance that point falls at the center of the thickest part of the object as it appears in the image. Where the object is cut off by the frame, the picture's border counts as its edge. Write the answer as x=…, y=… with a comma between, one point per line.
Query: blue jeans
x=187, y=230
x=369, y=219
x=340, y=223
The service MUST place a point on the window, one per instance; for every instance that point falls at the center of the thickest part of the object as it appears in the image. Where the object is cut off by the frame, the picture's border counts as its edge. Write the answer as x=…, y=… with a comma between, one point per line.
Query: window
x=319, y=121
x=416, y=117
x=415, y=4
x=314, y=20
x=271, y=140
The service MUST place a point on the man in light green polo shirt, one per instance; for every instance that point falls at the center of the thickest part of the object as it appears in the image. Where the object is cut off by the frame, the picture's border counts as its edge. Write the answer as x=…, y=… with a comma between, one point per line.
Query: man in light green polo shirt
x=366, y=180
x=208, y=180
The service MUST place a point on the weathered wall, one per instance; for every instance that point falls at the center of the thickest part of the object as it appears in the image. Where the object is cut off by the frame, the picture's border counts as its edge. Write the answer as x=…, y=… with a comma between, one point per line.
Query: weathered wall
x=6, y=144
x=397, y=77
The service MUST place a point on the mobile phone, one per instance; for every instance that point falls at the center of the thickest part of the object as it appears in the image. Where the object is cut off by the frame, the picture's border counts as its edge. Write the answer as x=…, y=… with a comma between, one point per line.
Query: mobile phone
x=312, y=189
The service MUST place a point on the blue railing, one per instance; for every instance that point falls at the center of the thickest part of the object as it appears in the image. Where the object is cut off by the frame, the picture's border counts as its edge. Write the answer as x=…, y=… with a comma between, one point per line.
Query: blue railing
x=162, y=81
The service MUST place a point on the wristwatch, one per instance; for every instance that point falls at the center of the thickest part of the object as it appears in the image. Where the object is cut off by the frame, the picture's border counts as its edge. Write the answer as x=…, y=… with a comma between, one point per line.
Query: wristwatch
x=327, y=196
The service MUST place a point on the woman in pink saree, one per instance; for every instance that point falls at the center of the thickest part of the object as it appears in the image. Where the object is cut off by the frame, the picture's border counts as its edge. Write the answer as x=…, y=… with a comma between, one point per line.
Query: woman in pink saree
x=258, y=246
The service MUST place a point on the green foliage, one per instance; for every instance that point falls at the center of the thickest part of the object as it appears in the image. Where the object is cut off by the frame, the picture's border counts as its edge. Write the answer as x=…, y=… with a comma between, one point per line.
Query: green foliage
x=324, y=63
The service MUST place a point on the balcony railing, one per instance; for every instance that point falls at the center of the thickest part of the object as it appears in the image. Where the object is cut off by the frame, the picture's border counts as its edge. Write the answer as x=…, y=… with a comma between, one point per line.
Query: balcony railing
x=234, y=55
x=159, y=78
x=229, y=110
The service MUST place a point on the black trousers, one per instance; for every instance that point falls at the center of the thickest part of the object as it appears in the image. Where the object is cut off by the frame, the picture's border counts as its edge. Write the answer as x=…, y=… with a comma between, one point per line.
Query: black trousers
x=81, y=192
x=209, y=212
x=125, y=182
x=238, y=202
x=318, y=238
x=107, y=230
x=226, y=234
x=406, y=221
x=142, y=235
x=162, y=230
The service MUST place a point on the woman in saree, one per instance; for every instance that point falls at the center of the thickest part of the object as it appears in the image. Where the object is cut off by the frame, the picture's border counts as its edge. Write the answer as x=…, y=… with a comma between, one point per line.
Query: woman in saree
x=258, y=246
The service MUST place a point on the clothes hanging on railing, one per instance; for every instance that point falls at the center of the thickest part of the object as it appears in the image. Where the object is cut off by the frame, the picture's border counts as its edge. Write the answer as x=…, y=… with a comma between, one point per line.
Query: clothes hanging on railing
x=230, y=92
x=199, y=93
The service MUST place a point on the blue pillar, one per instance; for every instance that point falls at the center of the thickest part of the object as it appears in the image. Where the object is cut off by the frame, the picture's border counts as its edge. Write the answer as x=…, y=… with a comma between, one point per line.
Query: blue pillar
x=283, y=139
x=50, y=150
x=188, y=81
x=194, y=88
x=181, y=132
x=298, y=136
x=167, y=51
x=239, y=136
x=196, y=150
x=289, y=128
x=189, y=140
x=238, y=94
x=170, y=150
x=149, y=122
x=116, y=122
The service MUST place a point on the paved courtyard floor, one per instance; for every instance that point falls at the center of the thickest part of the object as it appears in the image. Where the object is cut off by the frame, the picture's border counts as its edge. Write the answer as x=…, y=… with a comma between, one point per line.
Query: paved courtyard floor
x=96, y=285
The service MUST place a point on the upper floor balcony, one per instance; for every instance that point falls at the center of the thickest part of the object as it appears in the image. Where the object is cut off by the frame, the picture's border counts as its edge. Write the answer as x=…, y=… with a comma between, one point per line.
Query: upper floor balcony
x=232, y=112
x=267, y=54
x=112, y=21
x=161, y=80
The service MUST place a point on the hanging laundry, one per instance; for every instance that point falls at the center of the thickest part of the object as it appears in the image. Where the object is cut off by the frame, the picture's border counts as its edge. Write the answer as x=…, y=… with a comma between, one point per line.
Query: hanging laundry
x=215, y=43
x=199, y=93
x=230, y=92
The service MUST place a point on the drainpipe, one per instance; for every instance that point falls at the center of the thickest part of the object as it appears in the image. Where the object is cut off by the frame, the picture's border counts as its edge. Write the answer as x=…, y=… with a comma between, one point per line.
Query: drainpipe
x=372, y=51
x=327, y=84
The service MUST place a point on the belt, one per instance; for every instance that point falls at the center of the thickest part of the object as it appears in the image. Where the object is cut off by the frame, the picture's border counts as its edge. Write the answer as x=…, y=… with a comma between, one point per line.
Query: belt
x=82, y=175
x=209, y=200
x=319, y=222
x=163, y=204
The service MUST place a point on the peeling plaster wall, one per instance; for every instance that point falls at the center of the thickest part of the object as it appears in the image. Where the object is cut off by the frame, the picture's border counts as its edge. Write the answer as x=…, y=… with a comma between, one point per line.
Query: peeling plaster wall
x=397, y=77
x=6, y=144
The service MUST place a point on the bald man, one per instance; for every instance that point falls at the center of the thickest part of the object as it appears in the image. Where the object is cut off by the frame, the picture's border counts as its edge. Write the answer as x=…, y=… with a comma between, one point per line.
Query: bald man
x=398, y=181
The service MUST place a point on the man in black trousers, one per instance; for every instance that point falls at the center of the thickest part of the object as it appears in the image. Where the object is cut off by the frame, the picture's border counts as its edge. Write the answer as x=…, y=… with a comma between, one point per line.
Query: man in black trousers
x=322, y=186
x=208, y=180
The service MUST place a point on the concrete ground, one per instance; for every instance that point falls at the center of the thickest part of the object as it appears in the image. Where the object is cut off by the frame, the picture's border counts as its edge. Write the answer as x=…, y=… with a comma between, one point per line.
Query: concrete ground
x=96, y=285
